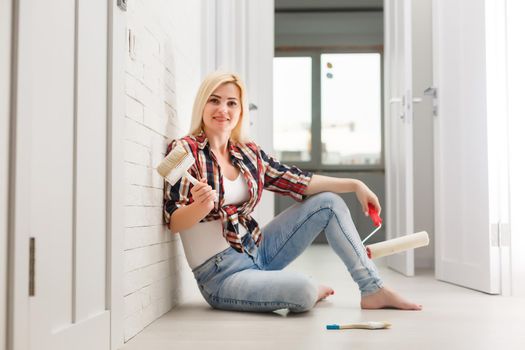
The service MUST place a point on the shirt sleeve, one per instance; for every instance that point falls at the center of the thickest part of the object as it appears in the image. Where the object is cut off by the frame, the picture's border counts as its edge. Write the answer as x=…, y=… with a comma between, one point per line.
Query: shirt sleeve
x=283, y=179
x=178, y=195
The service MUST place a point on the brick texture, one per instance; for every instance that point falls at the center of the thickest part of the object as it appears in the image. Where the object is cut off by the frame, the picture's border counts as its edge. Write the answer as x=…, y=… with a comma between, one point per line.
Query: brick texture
x=163, y=71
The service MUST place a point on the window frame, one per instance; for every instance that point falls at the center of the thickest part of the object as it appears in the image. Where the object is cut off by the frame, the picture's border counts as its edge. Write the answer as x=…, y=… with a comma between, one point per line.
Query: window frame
x=315, y=164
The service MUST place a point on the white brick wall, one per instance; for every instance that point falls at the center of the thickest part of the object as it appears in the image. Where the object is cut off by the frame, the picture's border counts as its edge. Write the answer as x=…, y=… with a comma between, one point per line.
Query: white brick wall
x=163, y=72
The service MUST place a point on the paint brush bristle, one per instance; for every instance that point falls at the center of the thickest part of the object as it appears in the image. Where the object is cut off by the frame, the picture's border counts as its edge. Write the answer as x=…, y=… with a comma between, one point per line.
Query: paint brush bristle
x=172, y=160
x=175, y=165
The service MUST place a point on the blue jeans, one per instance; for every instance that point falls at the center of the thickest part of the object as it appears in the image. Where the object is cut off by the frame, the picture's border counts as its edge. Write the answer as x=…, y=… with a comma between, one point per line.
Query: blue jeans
x=256, y=281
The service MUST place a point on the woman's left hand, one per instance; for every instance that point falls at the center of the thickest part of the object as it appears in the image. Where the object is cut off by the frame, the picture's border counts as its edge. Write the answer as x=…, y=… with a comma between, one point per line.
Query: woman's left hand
x=365, y=196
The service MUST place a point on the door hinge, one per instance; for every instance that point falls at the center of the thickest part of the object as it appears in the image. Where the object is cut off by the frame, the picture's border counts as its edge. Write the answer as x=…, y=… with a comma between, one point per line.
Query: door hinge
x=504, y=234
x=32, y=266
x=500, y=235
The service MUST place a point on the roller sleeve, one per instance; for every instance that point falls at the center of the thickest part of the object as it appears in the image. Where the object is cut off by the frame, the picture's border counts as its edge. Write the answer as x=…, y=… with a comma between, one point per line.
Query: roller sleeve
x=396, y=245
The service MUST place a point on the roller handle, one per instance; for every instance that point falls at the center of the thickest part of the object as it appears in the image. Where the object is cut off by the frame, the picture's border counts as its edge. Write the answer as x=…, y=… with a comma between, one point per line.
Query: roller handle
x=372, y=212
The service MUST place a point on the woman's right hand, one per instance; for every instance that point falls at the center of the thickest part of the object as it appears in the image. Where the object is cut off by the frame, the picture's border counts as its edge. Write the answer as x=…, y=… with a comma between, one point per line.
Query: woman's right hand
x=203, y=195
x=365, y=197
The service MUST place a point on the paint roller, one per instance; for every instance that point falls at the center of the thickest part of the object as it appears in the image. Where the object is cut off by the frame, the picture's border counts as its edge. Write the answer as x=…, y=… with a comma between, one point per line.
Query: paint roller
x=395, y=245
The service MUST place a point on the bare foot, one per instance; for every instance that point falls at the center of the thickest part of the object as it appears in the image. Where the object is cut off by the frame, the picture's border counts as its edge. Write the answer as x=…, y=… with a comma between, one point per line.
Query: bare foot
x=324, y=292
x=386, y=298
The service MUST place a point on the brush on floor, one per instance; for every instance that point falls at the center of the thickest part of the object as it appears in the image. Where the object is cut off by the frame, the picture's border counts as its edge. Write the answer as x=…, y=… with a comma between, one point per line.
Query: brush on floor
x=361, y=325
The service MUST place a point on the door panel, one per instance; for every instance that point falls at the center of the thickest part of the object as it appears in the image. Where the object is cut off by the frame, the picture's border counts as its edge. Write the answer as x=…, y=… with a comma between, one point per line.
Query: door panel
x=51, y=163
x=90, y=235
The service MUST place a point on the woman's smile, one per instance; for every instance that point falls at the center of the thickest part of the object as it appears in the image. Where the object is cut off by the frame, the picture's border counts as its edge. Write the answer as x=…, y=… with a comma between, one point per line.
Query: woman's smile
x=221, y=119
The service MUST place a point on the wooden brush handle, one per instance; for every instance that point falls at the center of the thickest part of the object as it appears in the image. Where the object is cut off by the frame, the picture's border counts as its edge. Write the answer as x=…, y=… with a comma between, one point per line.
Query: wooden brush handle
x=194, y=181
x=190, y=177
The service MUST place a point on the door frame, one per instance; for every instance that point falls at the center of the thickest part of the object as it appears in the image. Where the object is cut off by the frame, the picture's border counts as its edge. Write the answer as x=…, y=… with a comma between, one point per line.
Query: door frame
x=18, y=277
x=117, y=50
x=516, y=75
x=6, y=40
x=402, y=262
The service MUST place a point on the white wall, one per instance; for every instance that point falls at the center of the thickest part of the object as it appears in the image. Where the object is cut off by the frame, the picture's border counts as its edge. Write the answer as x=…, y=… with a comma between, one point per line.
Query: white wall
x=423, y=129
x=163, y=72
x=5, y=69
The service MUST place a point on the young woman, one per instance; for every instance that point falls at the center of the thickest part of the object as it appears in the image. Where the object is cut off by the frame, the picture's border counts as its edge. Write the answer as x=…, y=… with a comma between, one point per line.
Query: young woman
x=237, y=264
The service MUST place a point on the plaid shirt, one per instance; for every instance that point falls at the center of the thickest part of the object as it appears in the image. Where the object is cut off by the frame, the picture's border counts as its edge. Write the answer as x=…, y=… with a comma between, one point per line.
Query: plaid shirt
x=260, y=172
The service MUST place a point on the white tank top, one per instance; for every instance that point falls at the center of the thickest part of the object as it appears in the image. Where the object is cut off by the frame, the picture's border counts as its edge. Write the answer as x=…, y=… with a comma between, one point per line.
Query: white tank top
x=204, y=239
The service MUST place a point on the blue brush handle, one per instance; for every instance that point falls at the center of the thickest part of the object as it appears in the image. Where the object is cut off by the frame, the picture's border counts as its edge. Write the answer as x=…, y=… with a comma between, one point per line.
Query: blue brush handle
x=332, y=326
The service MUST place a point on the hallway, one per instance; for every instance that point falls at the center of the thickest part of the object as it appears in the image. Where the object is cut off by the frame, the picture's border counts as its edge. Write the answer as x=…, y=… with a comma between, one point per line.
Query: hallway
x=452, y=318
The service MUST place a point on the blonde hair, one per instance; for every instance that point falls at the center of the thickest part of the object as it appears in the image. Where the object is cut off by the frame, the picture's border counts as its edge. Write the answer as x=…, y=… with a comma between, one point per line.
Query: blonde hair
x=208, y=86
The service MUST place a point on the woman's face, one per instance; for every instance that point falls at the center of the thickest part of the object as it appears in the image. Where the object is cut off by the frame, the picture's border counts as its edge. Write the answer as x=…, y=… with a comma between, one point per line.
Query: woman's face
x=222, y=110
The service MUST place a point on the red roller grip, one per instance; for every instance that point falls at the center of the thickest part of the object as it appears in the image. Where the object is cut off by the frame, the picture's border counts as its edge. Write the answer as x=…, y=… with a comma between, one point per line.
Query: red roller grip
x=373, y=215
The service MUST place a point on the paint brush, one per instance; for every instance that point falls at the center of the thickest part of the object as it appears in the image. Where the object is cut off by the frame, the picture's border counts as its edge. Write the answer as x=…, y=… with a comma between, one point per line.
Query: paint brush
x=361, y=325
x=176, y=164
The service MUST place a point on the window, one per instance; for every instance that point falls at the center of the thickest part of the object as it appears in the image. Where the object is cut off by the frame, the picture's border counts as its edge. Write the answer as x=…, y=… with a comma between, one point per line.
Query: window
x=351, y=108
x=327, y=110
x=292, y=101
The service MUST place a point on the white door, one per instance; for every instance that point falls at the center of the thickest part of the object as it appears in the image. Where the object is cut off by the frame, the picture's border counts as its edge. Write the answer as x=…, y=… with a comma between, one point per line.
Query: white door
x=398, y=129
x=61, y=176
x=469, y=207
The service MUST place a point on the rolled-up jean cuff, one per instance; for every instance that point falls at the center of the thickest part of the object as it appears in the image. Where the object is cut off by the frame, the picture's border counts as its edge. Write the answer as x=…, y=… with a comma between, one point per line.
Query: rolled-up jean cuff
x=374, y=289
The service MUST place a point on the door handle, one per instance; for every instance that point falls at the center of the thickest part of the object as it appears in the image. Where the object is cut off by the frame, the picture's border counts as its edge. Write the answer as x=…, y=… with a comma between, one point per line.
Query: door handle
x=430, y=91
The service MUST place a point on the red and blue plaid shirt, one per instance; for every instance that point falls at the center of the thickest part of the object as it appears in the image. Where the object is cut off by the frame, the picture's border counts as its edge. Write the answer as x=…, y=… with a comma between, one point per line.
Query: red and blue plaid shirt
x=260, y=172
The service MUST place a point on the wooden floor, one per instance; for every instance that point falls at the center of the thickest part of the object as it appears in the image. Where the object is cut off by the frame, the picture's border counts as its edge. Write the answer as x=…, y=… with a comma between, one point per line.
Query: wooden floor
x=452, y=318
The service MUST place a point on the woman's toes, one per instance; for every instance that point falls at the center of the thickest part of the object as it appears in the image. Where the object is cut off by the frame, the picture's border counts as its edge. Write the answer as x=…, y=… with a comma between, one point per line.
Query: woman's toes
x=324, y=292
